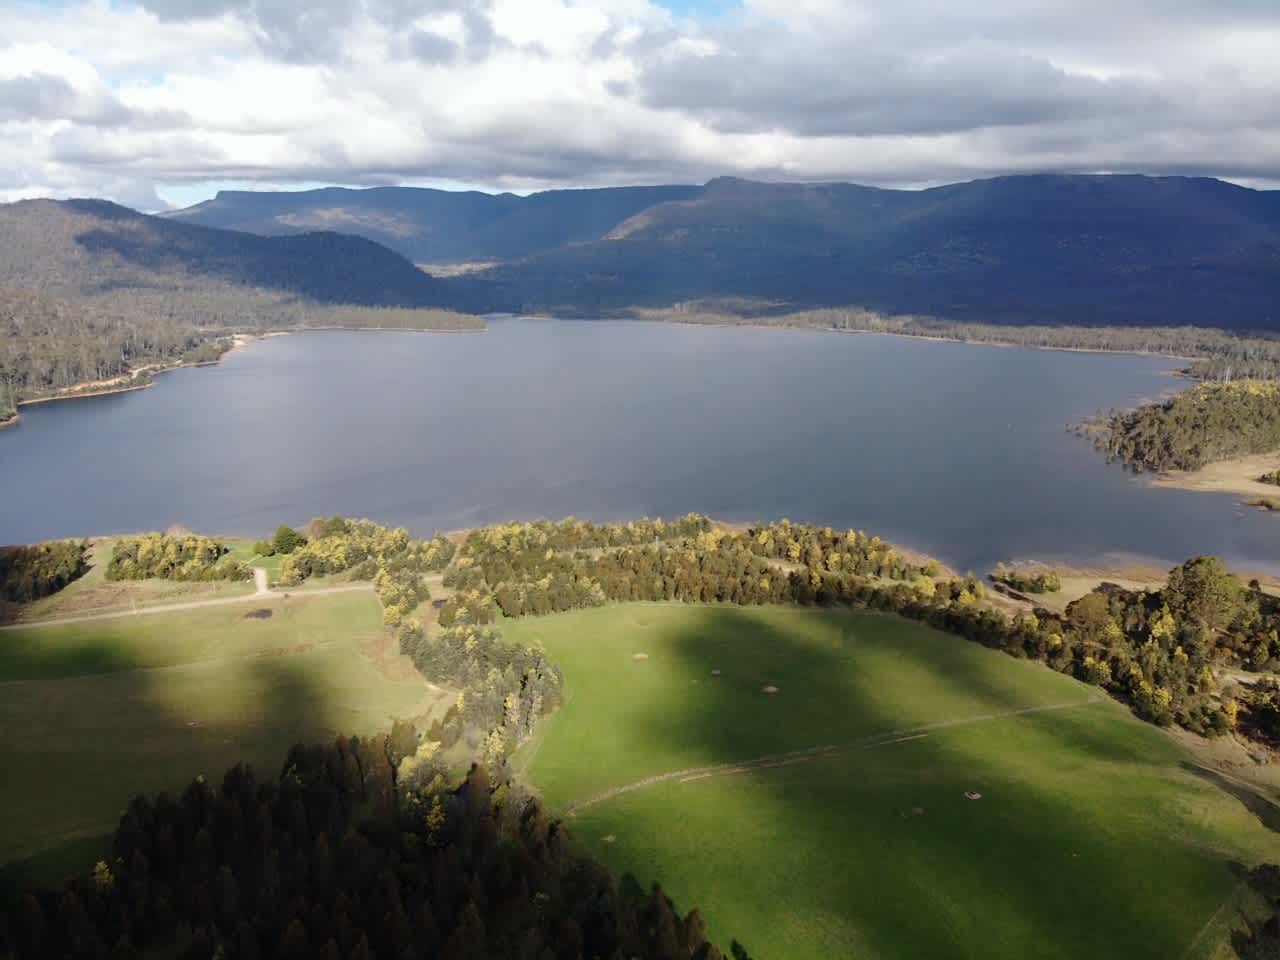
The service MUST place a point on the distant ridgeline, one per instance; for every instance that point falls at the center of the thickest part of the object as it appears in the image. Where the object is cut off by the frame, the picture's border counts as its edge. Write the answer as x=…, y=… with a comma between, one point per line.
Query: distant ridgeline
x=1214, y=421
x=1053, y=249
x=366, y=848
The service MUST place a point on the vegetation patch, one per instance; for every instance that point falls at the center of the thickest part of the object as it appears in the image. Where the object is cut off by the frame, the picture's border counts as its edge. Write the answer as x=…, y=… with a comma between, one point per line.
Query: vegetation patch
x=1076, y=796
x=29, y=573
x=1214, y=421
x=166, y=557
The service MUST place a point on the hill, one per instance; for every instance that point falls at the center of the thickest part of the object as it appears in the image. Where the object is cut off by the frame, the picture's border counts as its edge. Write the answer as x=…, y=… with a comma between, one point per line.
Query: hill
x=1046, y=249
x=432, y=226
x=91, y=292
x=85, y=248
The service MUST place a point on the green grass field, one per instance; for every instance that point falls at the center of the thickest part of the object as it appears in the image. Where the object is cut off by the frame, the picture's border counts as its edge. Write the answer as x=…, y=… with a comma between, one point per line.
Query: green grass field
x=1093, y=837
x=96, y=713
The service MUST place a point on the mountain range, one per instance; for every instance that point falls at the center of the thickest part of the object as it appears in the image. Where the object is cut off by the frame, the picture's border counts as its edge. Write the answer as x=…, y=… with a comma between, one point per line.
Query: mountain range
x=1056, y=249
x=1047, y=248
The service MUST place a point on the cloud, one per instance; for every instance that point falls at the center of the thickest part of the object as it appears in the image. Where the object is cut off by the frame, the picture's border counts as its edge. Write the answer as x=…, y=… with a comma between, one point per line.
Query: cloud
x=119, y=97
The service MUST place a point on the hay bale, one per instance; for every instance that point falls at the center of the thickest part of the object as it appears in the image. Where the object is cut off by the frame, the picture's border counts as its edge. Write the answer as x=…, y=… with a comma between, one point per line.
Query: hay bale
x=770, y=689
x=639, y=656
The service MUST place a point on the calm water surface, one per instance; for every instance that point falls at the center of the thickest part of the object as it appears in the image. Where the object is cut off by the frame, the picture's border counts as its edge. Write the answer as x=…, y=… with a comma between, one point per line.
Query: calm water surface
x=953, y=449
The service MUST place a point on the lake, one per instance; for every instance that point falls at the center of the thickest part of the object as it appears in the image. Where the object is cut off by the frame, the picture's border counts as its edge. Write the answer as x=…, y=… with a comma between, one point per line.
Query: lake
x=957, y=450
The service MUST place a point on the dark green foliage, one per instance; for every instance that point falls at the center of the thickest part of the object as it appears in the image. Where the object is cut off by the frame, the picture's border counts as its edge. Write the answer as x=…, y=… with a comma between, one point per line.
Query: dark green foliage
x=1260, y=710
x=1027, y=581
x=29, y=573
x=362, y=547
x=1262, y=942
x=286, y=539
x=1153, y=650
x=438, y=226
x=1220, y=354
x=333, y=858
x=188, y=557
x=1214, y=421
x=48, y=345
x=264, y=548
x=91, y=292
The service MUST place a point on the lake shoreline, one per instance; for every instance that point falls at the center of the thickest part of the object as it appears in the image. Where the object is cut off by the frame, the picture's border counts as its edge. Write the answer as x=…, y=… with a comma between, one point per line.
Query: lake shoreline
x=241, y=341
x=1238, y=475
x=1003, y=344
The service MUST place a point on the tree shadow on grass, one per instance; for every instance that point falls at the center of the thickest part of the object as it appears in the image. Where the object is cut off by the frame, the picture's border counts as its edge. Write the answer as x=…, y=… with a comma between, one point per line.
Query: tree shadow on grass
x=1061, y=856
x=1267, y=812
x=80, y=746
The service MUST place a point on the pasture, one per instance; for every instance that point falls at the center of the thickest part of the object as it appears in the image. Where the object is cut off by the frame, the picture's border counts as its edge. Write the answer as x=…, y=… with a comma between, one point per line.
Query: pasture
x=901, y=793
x=95, y=713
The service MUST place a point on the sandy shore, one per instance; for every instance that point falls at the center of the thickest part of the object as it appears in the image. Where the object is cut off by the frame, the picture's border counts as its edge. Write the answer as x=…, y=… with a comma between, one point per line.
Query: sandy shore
x=1238, y=476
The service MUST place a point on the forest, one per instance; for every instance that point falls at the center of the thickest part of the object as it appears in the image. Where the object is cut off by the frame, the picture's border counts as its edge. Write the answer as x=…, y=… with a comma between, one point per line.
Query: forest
x=29, y=573
x=1215, y=354
x=1213, y=421
x=342, y=857
x=1154, y=650
x=91, y=293
x=169, y=557
x=1027, y=581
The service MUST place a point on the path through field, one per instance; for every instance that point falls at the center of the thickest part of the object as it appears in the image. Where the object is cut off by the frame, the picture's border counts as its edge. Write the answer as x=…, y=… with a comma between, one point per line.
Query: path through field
x=813, y=753
x=259, y=576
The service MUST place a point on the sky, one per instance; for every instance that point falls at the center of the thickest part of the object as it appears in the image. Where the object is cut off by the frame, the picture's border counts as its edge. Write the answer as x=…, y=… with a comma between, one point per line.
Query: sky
x=156, y=103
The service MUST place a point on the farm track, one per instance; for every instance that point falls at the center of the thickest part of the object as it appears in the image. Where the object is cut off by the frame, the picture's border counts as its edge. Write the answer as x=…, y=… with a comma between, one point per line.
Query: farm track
x=807, y=754
x=262, y=594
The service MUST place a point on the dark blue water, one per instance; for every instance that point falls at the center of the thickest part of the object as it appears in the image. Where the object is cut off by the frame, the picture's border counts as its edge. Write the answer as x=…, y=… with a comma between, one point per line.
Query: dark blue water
x=953, y=449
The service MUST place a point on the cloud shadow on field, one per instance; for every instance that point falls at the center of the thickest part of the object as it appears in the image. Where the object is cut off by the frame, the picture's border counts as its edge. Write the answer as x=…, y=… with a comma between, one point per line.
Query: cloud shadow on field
x=1073, y=821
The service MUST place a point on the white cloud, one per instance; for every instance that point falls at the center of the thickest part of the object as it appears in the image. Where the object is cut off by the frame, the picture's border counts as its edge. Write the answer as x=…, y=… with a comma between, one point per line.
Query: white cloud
x=123, y=99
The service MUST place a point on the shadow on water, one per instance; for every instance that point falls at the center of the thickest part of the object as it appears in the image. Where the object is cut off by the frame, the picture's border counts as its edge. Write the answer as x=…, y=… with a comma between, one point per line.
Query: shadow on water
x=1062, y=857
x=79, y=746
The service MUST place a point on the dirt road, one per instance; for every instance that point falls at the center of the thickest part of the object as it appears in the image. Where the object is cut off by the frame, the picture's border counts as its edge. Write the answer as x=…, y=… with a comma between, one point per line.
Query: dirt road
x=263, y=593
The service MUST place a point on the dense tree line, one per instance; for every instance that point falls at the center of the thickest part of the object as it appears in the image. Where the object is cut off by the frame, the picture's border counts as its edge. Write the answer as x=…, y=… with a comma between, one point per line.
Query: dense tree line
x=343, y=857
x=169, y=557
x=1262, y=940
x=29, y=573
x=1216, y=354
x=1214, y=421
x=49, y=345
x=367, y=551
x=1027, y=581
x=1155, y=650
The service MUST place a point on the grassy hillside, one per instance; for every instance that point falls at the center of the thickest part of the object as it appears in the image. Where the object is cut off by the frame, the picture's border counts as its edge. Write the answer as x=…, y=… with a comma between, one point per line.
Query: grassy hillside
x=1093, y=834
x=112, y=709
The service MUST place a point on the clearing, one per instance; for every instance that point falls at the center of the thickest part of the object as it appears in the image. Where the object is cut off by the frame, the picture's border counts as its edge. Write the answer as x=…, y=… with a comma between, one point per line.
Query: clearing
x=832, y=818
x=97, y=713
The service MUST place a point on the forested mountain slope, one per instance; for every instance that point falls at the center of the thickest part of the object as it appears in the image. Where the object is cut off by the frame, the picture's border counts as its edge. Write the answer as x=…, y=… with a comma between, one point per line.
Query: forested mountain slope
x=87, y=248
x=93, y=292
x=1043, y=249
x=437, y=225
x=1048, y=249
